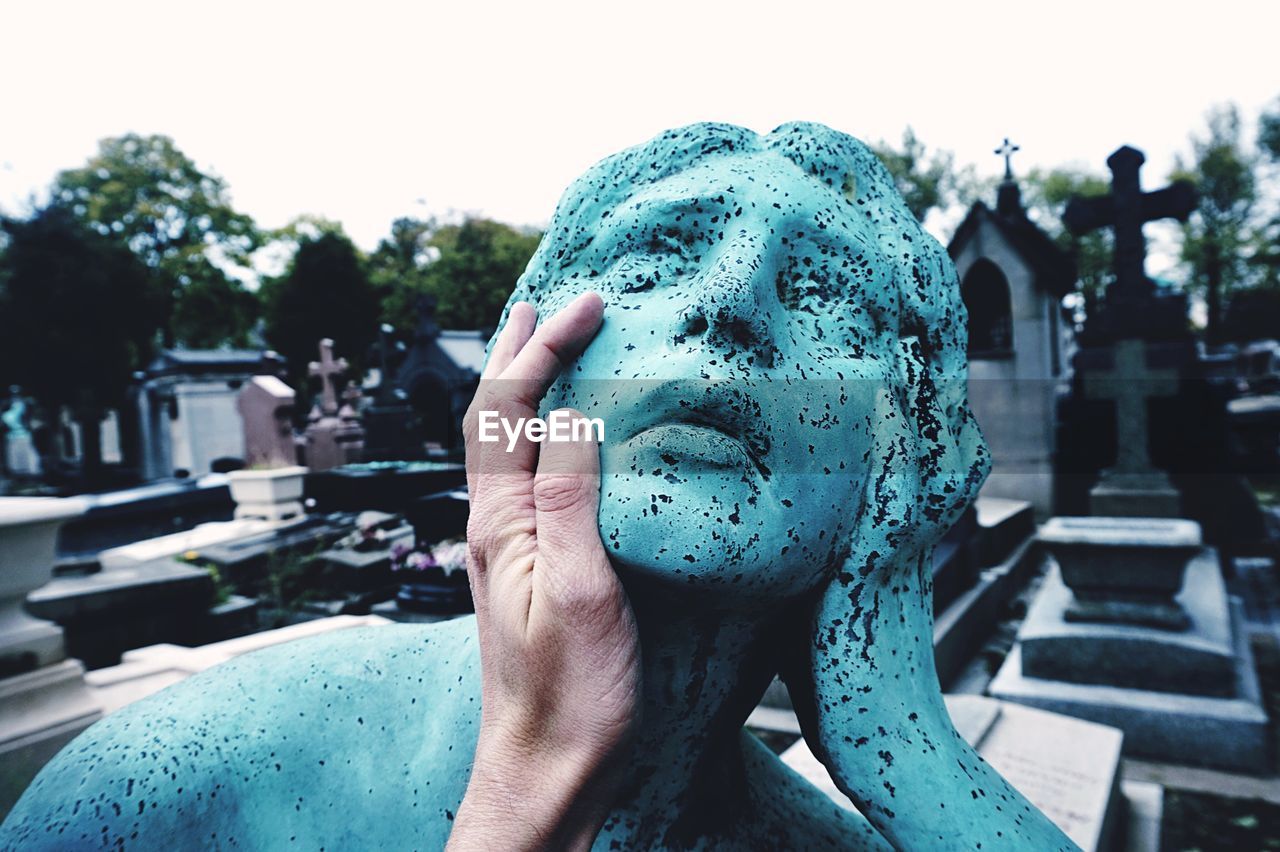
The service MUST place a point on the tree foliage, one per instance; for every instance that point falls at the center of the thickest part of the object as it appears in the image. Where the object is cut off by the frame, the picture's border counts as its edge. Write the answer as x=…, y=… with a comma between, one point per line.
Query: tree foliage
x=1223, y=243
x=1046, y=194
x=470, y=269
x=78, y=314
x=143, y=191
x=324, y=293
x=1222, y=171
x=925, y=180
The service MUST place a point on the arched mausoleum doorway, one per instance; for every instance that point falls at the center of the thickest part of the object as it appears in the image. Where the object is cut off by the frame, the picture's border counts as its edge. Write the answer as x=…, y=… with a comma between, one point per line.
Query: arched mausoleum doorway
x=985, y=291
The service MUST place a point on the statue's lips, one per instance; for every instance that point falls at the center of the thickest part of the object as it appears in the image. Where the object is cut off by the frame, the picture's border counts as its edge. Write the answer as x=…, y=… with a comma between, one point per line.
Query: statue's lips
x=709, y=422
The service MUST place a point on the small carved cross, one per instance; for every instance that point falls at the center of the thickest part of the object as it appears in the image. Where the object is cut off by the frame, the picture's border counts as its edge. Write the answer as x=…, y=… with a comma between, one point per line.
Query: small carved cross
x=1007, y=150
x=1130, y=383
x=328, y=369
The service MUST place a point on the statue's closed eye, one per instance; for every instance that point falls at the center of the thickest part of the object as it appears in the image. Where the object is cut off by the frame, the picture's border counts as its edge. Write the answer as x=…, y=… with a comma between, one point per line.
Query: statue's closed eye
x=659, y=257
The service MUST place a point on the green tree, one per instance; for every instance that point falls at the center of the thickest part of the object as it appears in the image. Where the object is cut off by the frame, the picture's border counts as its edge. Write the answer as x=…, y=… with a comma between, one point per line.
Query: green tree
x=1266, y=244
x=1045, y=195
x=1217, y=240
x=470, y=268
x=78, y=314
x=925, y=180
x=1269, y=131
x=178, y=220
x=398, y=269
x=324, y=293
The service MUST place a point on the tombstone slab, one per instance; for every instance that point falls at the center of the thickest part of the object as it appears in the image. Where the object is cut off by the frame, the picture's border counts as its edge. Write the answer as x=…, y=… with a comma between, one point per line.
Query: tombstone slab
x=1068, y=768
x=1224, y=733
x=266, y=408
x=1198, y=660
x=106, y=613
x=175, y=544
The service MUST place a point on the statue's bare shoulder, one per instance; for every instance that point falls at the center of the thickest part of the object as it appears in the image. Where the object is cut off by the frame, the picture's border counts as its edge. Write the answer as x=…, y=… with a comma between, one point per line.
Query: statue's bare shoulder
x=318, y=742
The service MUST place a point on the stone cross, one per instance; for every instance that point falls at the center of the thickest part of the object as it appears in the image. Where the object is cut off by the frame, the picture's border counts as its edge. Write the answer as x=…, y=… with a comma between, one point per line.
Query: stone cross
x=1126, y=209
x=1007, y=150
x=1130, y=383
x=328, y=369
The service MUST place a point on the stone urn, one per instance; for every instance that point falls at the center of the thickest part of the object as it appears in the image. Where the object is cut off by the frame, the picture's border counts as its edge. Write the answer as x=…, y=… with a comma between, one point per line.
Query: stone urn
x=28, y=539
x=1123, y=569
x=273, y=494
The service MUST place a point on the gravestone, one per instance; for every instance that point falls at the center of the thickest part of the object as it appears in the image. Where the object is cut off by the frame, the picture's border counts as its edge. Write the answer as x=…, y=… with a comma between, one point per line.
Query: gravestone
x=334, y=436
x=266, y=409
x=1133, y=486
x=186, y=409
x=1126, y=632
x=393, y=430
x=1137, y=345
x=438, y=377
x=1068, y=768
x=1012, y=279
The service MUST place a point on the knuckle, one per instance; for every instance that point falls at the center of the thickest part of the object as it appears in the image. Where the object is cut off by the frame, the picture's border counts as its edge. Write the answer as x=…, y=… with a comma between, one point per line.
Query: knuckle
x=583, y=595
x=560, y=491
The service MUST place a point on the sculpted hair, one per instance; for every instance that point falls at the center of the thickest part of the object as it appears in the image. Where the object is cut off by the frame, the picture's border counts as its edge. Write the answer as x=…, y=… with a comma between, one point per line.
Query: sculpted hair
x=951, y=459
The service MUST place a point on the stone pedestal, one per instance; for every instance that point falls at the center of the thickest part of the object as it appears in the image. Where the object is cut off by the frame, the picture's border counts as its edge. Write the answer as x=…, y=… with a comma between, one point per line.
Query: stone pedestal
x=1126, y=570
x=274, y=494
x=28, y=536
x=1135, y=495
x=43, y=698
x=1182, y=696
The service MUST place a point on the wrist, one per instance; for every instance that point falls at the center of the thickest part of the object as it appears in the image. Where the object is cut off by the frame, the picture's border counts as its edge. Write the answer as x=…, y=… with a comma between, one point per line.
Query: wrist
x=531, y=798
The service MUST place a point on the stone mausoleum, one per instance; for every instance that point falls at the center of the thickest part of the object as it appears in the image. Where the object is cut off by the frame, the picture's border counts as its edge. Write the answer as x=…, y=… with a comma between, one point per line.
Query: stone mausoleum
x=1013, y=278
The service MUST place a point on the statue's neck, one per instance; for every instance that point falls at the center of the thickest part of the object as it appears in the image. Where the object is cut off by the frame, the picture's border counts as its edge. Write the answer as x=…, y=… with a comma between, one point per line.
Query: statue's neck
x=704, y=671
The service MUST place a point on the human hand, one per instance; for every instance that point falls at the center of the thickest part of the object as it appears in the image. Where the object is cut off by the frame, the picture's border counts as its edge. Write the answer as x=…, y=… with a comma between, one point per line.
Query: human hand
x=558, y=647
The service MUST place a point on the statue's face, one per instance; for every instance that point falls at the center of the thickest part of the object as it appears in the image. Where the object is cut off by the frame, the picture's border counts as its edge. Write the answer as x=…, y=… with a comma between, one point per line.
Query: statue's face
x=749, y=326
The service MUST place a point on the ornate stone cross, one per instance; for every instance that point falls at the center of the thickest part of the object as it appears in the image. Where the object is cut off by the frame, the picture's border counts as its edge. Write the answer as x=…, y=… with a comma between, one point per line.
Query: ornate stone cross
x=328, y=369
x=1126, y=209
x=1130, y=383
x=1007, y=150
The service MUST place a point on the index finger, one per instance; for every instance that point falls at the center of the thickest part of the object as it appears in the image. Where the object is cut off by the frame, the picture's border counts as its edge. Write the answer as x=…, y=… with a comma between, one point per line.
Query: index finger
x=553, y=345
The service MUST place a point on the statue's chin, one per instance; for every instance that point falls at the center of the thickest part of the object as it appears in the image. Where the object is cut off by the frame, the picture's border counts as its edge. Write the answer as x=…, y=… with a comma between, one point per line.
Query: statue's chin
x=691, y=544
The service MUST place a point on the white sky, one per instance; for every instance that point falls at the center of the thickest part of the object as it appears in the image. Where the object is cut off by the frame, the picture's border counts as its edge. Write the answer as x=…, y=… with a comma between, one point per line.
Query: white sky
x=365, y=111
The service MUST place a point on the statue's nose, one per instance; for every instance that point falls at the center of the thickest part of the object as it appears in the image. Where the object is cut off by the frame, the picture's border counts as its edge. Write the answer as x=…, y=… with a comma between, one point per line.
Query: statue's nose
x=733, y=301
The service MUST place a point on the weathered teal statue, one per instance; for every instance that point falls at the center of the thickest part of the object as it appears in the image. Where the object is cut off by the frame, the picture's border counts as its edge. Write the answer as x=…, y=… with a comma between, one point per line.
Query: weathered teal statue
x=14, y=417
x=781, y=373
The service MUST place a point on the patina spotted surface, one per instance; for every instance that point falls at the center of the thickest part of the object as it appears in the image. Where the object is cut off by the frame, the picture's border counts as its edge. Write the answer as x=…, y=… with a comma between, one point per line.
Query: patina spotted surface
x=781, y=373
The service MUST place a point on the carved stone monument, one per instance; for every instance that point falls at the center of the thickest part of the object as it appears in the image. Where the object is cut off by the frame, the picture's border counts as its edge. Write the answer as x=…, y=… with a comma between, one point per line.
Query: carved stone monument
x=1012, y=279
x=782, y=374
x=334, y=436
x=20, y=456
x=1135, y=347
x=43, y=698
x=266, y=408
x=1133, y=628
